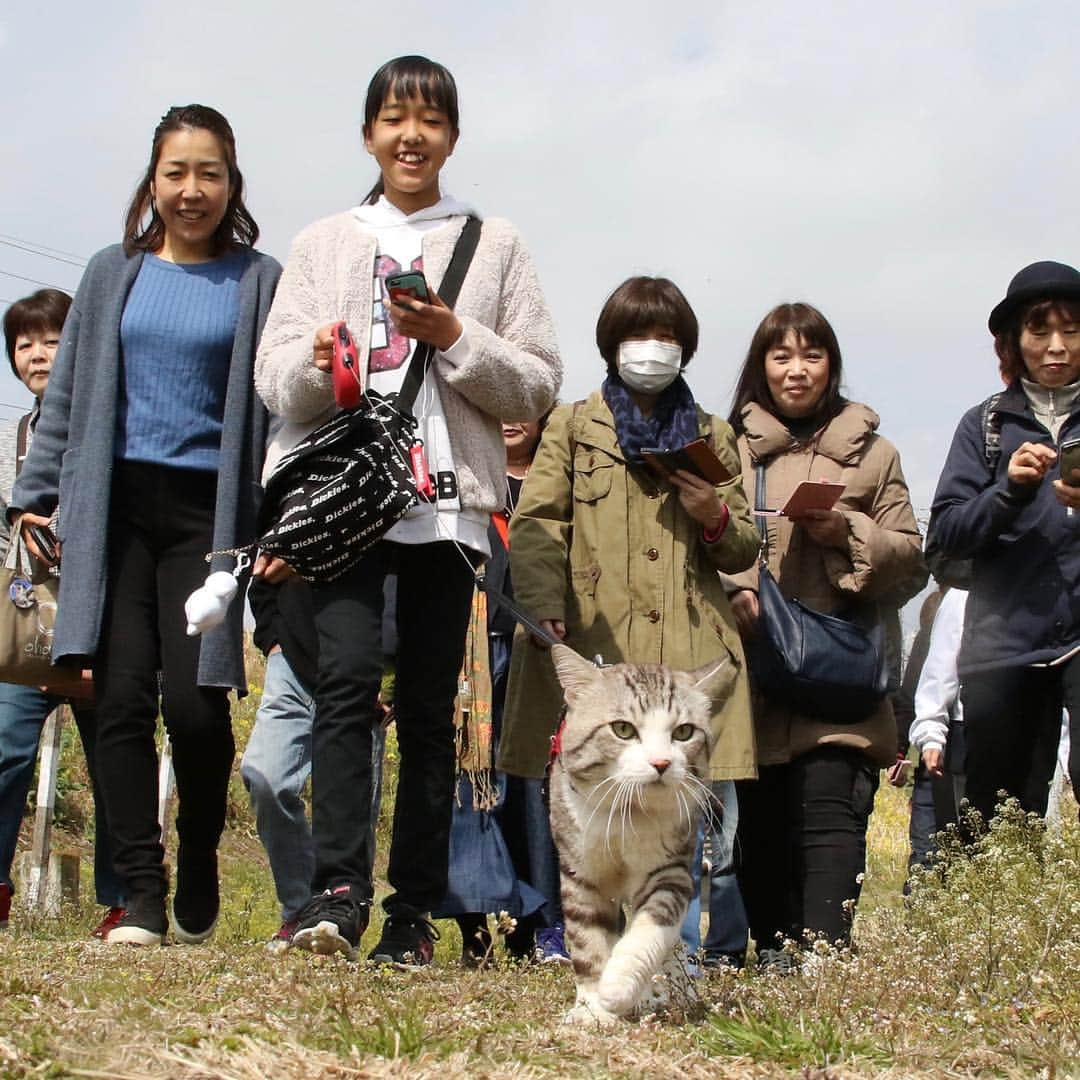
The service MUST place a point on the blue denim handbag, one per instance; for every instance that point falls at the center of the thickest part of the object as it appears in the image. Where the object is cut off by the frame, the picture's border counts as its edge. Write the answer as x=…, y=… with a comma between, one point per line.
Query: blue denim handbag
x=823, y=665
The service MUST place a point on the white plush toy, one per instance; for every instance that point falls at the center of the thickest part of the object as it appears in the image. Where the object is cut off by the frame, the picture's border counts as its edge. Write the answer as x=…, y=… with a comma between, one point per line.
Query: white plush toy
x=209, y=603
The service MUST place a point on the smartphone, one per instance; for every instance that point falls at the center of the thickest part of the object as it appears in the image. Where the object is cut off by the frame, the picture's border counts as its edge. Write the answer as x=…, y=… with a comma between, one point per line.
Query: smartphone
x=45, y=540
x=1069, y=459
x=408, y=285
x=345, y=371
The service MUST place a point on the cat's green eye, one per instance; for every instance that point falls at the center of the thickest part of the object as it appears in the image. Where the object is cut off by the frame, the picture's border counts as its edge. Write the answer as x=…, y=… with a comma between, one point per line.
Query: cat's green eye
x=623, y=729
x=683, y=733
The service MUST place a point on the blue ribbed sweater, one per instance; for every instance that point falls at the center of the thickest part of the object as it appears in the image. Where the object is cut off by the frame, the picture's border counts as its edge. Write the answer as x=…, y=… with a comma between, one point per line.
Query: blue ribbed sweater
x=176, y=339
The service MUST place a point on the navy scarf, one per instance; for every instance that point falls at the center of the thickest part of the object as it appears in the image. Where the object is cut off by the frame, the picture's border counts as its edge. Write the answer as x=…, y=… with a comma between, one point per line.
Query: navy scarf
x=673, y=422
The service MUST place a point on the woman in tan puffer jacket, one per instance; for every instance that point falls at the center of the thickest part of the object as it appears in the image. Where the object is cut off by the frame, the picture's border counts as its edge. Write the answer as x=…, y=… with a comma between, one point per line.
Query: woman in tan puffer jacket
x=802, y=824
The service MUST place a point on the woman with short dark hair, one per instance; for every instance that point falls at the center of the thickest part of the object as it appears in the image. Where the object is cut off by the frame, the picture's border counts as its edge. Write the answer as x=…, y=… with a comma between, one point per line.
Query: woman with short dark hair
x=1003, y=503
x=802, y=823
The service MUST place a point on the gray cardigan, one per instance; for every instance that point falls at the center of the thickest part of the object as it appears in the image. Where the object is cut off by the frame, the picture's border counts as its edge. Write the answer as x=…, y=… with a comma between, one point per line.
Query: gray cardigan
x=71, y=460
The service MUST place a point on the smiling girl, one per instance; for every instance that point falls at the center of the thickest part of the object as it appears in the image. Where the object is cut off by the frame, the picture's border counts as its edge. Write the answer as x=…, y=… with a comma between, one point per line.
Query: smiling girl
x=148, y=454
x=495, y=357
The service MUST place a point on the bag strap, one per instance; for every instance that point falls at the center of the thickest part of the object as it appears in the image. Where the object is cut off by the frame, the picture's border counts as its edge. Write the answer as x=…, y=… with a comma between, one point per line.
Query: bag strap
x=991, y=431
x=22, y=440
x=759, y=505
x=424, y=352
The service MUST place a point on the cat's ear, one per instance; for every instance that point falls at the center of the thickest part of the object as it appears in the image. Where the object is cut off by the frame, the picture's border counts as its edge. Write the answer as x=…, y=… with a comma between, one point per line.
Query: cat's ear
x=576, y=674
x=715, y=678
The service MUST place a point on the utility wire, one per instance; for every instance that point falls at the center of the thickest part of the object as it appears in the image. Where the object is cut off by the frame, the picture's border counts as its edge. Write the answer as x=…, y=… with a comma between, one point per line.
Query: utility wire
x=33, y=280
x=42, y=254
x=43, y=247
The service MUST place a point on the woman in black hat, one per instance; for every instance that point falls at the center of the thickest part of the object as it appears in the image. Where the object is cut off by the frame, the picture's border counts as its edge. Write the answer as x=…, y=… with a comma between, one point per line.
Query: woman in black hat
x=1002, y=503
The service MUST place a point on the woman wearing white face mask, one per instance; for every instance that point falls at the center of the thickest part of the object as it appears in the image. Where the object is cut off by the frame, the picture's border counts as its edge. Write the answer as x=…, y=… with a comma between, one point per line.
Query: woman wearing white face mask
x=617, y=560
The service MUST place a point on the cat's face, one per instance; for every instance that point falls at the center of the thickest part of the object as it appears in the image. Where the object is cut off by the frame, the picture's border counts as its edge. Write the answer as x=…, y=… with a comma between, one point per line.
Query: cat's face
x=640, y=725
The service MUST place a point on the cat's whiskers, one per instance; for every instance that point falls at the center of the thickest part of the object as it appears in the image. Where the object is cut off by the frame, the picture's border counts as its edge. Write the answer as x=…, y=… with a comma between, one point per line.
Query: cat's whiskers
x=599, y=798
x=702, y=794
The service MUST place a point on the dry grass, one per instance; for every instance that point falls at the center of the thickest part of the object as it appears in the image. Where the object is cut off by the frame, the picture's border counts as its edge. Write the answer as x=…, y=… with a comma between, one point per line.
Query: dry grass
x=978, y=976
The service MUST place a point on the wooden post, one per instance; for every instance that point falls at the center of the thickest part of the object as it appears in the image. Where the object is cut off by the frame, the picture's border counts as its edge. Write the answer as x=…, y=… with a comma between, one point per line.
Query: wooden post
x=37, y=890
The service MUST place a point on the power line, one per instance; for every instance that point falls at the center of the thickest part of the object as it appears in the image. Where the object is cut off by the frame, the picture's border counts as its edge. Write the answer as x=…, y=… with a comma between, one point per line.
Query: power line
x=32, y=280
x=43, y=247
x=41, y=254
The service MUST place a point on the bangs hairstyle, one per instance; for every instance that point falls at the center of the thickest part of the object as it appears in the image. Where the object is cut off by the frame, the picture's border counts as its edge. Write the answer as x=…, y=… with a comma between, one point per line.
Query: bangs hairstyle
x=409, y=77
x=237, y=226
x=38, y=313
x=639, y=304
x=812, y=329
x=1033, y=316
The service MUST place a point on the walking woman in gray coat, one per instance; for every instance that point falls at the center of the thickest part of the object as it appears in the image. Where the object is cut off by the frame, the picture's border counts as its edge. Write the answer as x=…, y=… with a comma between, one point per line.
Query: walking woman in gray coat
x=147, y=457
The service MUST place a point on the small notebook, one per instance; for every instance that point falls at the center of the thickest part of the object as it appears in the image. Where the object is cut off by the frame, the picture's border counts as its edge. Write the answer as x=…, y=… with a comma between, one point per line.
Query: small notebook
x=809, y=495
x=696, y=457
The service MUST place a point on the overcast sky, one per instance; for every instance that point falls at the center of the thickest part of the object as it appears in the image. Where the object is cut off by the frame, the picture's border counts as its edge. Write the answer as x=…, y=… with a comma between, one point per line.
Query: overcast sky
x=892, y=164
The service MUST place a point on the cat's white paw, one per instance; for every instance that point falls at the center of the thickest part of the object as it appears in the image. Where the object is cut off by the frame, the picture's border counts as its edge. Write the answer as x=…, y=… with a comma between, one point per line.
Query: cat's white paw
x=619, y=994
x=589, y=1012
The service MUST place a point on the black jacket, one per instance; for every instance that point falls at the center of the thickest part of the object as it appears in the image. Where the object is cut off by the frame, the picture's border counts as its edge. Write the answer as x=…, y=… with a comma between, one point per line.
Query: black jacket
x=1024, y=603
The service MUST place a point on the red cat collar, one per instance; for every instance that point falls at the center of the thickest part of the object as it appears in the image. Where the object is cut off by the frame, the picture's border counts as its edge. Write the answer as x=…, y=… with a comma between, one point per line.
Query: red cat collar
x=556, y=739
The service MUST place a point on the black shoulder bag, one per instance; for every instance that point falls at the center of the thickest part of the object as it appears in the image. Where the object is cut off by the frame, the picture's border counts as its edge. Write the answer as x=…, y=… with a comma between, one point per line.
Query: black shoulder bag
x=339, y=490
x=824, y=665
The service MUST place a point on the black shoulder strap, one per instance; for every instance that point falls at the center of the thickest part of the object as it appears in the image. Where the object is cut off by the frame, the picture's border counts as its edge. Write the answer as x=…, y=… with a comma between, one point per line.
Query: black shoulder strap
x=449, y=288
x=759, y=504
x=22, y=440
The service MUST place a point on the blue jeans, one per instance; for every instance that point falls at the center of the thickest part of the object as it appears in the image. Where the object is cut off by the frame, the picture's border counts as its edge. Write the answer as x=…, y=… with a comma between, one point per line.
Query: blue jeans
x=275, y=768
x=728, y=928
x=523, y=815
x=923, y=823
x=23, y=710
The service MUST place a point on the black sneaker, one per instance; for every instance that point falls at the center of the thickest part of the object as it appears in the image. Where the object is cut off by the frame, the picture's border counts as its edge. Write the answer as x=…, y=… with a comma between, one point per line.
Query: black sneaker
x=333, y=921
x=408, y=940
x=144, y=923
x=197, y=901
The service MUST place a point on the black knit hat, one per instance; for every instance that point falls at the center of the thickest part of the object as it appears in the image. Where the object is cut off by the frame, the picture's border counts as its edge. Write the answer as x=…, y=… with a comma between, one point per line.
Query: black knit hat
x=1039, y=281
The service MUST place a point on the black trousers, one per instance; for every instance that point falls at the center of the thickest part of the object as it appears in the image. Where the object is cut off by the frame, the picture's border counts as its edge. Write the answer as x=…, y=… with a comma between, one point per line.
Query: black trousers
x=434, y=597
x=1012, y=724
x=801, y=844
x=160, y=530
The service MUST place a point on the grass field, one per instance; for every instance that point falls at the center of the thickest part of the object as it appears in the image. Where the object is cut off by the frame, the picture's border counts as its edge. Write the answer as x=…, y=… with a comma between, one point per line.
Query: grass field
x=979, y=975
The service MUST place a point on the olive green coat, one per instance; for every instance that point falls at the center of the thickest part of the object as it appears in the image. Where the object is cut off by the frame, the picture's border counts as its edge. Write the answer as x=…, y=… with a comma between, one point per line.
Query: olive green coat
x=881, y=562
x=611, y=552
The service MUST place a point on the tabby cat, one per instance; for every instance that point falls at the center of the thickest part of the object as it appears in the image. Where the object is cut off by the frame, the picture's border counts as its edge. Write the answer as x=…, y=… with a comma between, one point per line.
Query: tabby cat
x=628, y=784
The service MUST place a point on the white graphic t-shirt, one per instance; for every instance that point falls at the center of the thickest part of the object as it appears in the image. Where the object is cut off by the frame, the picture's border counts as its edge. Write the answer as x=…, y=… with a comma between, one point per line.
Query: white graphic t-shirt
x=400, y=237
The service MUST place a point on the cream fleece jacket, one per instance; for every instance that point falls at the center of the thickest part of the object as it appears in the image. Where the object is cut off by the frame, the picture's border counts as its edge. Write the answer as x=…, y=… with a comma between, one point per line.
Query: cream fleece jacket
x=510, y=369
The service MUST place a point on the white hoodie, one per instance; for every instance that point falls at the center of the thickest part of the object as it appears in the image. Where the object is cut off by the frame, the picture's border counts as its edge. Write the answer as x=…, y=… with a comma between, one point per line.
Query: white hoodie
x=399, y=237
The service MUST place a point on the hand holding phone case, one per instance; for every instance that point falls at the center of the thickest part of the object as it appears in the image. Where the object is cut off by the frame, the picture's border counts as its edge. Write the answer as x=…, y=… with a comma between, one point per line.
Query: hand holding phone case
x=409, y=285
x=696, y=457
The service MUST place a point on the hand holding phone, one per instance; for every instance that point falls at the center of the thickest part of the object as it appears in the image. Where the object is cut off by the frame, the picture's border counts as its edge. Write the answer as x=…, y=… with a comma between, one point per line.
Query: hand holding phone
x=1069, y=460
x=899, y=772
x=39, y=538
x=431, y=320
x=408, y=285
